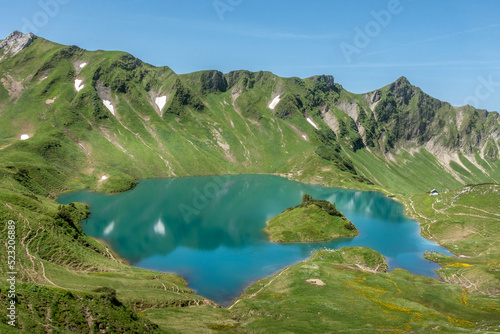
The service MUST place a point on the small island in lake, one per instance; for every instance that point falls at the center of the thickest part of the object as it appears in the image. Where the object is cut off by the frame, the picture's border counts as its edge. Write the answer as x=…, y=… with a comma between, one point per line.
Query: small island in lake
x=311, y=221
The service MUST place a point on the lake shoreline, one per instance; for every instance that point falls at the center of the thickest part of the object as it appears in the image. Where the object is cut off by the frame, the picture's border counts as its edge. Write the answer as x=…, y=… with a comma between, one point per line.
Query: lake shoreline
x=273, y=192
x=111, y=252
x=289, y=176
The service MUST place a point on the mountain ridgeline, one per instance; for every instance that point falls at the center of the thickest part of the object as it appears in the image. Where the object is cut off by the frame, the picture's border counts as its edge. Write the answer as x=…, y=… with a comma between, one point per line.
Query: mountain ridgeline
x=90, y=114
x=73, y=119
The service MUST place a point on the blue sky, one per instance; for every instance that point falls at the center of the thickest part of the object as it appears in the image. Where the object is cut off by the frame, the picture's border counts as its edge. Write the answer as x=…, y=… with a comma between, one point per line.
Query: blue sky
x=450, y=49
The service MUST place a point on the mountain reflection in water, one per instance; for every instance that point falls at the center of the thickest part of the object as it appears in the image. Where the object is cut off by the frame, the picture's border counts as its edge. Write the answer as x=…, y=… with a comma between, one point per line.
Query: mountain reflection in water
x=210, y=229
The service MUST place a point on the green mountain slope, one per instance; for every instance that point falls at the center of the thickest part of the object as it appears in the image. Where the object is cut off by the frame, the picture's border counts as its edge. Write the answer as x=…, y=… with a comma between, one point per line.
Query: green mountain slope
x=415, y=142
x=161, y=124
x=72, y=119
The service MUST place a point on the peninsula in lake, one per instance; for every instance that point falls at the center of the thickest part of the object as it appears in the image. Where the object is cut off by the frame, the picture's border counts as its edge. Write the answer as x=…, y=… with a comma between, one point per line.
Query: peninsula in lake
x=312, y=220
x=174, y=250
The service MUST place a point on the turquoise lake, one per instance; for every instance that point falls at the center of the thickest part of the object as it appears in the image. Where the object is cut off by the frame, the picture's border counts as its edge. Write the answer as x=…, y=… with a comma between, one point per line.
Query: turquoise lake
x=210, y=229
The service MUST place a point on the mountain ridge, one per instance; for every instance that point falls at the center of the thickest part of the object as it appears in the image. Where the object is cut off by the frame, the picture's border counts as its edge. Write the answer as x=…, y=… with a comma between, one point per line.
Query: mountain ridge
x=116, y=93
x=75, y=119
x=26, y=39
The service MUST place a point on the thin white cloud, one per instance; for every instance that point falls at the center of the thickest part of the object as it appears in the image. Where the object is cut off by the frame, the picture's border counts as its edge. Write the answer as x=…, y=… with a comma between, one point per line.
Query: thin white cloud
x=433, y=39
x=422, y=64
x=414, y=64
x=278, y=35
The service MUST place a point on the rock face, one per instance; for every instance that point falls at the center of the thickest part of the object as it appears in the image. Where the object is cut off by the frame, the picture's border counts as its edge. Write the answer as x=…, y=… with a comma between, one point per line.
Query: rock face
x=328, y=79
x=213, y=81
x=397, y=129
x=16, y=42
x=403, y=90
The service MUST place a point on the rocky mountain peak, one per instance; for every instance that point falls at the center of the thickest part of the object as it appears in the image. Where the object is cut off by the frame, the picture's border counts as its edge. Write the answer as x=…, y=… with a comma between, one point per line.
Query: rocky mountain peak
x=403, y=90
x=15, y=42
x=402, y=80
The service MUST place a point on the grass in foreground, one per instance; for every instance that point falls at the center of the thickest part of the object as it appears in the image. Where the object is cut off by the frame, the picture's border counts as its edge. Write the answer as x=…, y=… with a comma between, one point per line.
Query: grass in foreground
x=345, y=290
x=68, y=282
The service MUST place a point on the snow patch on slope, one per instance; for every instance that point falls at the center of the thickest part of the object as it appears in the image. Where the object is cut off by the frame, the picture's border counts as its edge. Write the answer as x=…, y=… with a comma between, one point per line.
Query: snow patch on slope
x=312, y=123
x=24, y=137
x=161, y=101
x=275, y=102
x=109, y=105
x=78, y=85
x=82, y=65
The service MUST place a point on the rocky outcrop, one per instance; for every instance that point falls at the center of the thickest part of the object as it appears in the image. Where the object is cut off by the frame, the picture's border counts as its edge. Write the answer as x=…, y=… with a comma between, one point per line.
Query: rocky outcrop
x=213, y=81
x=372, y=99
x=328, y=79
x=330, y=119
x=403, y=91
x=350, y=108
x=16, y=42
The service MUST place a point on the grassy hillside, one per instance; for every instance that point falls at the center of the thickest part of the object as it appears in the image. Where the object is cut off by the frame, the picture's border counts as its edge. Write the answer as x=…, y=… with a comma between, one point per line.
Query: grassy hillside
x=346, y=290
x=102, y=120
x=60, y=269
x=160, y=124
x=466, y=221
x=195, y=133
x=44, y=309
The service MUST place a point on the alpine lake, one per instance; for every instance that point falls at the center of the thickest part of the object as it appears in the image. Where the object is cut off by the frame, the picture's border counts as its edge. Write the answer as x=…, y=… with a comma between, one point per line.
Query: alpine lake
x=209, y=230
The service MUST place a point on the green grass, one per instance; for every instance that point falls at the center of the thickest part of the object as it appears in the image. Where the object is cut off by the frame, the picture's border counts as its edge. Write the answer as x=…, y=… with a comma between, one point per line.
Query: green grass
x=466, y=222
x=195, y=319
x=409, y=173
x=354, y=299
x=308, y=224
x=75, y=140
x=42, y=309
x=60, y=269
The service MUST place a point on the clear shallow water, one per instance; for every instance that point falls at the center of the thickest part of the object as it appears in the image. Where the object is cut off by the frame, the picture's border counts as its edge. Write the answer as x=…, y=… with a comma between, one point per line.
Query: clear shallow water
x=210, y=229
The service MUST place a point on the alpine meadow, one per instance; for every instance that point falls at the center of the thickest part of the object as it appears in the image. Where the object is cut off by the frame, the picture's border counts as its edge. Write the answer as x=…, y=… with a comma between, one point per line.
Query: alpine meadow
x=72, y=119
